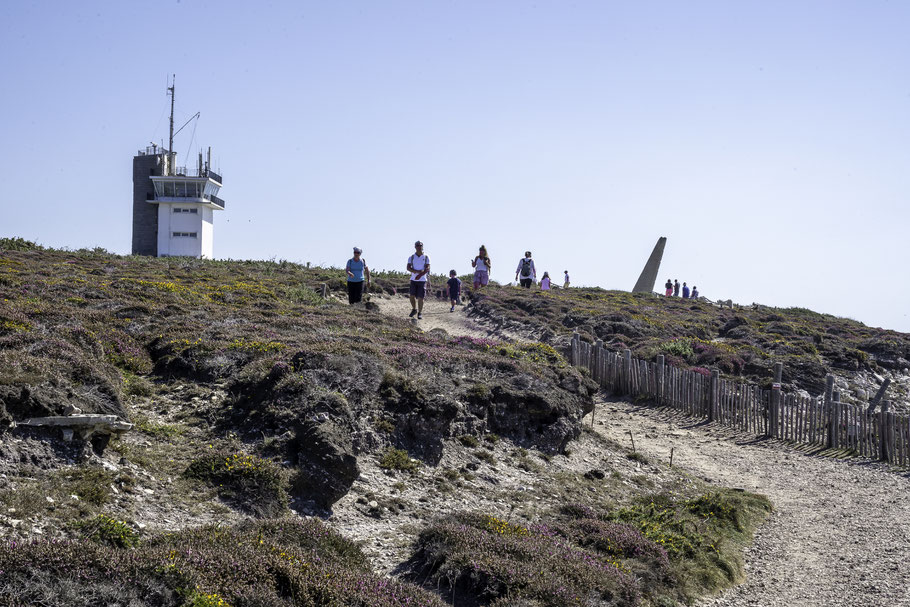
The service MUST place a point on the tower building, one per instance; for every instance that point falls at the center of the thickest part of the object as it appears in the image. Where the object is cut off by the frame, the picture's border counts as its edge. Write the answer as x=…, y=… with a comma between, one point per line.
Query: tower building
x=173, y=207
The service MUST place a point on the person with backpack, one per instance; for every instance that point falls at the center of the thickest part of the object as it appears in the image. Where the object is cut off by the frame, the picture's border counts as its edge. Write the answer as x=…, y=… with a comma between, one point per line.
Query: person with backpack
x=685, y=291
x=669, y=287
x=526, y=270
x=481, y=265
x=675, y=288
x=356, y=269
x=419, y=267
x=454, y=289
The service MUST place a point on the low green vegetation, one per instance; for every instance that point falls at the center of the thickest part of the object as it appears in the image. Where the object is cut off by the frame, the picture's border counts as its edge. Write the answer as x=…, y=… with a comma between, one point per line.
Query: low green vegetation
x=745, y=341
x=398, y=459
x=256, y=485
x=271, y=563
x=661, y=550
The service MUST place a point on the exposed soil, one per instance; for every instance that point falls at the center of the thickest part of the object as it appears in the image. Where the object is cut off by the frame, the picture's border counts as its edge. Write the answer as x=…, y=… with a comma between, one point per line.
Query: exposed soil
x=436, y=315
x=841, y=528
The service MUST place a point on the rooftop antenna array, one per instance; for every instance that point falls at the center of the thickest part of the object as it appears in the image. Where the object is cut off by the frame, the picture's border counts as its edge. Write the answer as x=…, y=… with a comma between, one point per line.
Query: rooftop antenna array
x=172, y=160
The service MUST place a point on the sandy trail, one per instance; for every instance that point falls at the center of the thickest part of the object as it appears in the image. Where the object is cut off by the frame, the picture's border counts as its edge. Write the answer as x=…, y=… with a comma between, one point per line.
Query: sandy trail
x=840, y=533
x=841, y=529
x=436, y=315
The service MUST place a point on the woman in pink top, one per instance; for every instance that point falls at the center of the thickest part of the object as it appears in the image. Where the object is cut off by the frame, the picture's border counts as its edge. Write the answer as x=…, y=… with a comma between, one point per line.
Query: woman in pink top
x=545, y=282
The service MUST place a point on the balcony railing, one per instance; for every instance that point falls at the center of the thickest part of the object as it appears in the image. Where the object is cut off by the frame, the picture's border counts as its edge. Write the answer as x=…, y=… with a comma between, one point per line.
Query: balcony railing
x=218, y=201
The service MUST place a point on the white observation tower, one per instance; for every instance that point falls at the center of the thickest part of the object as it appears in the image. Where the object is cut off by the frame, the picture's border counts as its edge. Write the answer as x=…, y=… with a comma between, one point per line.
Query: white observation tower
x=173, y=207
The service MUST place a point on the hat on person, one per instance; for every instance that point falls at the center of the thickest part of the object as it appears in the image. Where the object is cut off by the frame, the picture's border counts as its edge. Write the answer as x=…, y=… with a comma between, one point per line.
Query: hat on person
x=357, y=250
x=418, y=244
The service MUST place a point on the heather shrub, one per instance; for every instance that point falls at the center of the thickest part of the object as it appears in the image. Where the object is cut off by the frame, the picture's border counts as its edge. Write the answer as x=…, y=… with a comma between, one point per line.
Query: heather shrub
x=269, y=564
x=491, y=558
x=107, y=530
x=397, y=459
x=255, y=485
x=19, y=244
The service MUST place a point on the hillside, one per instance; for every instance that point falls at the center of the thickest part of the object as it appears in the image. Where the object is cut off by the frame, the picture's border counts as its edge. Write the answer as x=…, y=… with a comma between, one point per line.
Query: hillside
x=341, y=455
x=742, y=342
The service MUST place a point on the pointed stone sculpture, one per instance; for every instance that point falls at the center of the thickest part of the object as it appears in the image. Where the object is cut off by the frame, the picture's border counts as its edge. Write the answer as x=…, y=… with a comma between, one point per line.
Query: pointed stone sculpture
x=648, y=276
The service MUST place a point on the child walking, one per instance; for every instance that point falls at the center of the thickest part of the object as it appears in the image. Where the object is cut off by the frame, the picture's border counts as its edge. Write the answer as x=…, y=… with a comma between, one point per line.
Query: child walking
x=545, y=282
x=481, y=265
x=454, y=289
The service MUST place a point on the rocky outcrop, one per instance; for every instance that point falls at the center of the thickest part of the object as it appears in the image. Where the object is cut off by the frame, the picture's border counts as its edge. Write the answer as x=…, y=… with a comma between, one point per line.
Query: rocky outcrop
x=327, y=466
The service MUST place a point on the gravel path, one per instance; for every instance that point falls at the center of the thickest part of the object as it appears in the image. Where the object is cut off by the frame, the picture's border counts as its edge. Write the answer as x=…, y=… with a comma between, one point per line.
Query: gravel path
x=840, y=533
x=436, y=315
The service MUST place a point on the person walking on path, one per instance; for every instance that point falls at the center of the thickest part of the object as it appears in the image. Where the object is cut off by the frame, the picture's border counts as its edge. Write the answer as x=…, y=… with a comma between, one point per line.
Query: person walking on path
x=357, y=269
x=526, y=270
x=685, y=291
x=669, y=287
x=419, y=267
x=565, y=285
x=675, y=288
x=545, y=282
x=694, y=292
x=481, y=265
x=454, y=289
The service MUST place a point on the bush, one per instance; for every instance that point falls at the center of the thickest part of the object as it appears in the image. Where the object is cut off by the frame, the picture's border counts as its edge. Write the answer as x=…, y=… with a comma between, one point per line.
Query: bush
x=107, y=530
x=267, y=564
x=398, y=459
x=256, y=485
x=469, y=441
x=493, y=558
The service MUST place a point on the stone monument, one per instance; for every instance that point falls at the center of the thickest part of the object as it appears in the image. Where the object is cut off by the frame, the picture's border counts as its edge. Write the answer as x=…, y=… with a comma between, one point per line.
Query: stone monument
x=648, y=276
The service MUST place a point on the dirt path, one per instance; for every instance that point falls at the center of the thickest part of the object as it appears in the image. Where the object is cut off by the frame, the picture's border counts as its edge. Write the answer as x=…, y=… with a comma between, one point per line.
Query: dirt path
x=436, y=315
x=840, y=533
x=841, y=529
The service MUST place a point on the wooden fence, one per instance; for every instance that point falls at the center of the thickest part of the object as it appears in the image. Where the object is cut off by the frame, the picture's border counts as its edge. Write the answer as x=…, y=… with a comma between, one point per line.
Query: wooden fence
x=822, y=421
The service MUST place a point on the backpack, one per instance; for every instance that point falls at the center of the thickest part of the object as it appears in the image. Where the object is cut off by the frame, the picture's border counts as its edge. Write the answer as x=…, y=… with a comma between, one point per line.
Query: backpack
x=526, y=267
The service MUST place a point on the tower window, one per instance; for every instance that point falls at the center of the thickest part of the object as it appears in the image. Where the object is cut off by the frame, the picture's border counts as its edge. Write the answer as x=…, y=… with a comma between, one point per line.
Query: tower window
x=178, y=210
x=184, y=234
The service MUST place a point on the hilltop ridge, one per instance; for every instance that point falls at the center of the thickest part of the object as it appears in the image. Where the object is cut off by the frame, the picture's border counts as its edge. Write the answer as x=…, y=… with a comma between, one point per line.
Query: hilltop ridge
x=256, y=399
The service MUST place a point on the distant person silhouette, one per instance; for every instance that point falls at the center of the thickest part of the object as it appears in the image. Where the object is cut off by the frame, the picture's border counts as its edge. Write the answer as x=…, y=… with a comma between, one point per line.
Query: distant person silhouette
x=694, y=293
x=356, y=269
x=545, y=282
x=454, y=289
x=526, y=270
x=419, y=267
x=565, y=284
x=669, y=287
x=675, y=288
x=685, y=291
x=481, y=265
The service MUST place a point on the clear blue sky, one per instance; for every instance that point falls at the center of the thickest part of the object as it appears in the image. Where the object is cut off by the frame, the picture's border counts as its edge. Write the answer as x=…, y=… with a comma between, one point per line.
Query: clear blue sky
x=769, y=141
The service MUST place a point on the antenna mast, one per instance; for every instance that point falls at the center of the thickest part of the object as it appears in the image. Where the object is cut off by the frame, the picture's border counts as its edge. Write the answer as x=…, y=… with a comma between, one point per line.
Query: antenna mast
x=170, y=143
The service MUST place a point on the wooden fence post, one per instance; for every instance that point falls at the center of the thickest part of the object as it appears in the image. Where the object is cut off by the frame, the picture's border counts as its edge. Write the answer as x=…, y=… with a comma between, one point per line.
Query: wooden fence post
x=712, y=400
x=574, y=354
x=774, y=414
x=627, y=371
x=837, y=413
x=324, y=291
x=829, y=400
x=879, y=395
x=598, y=357
x=660, y=379
x=883, y=434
